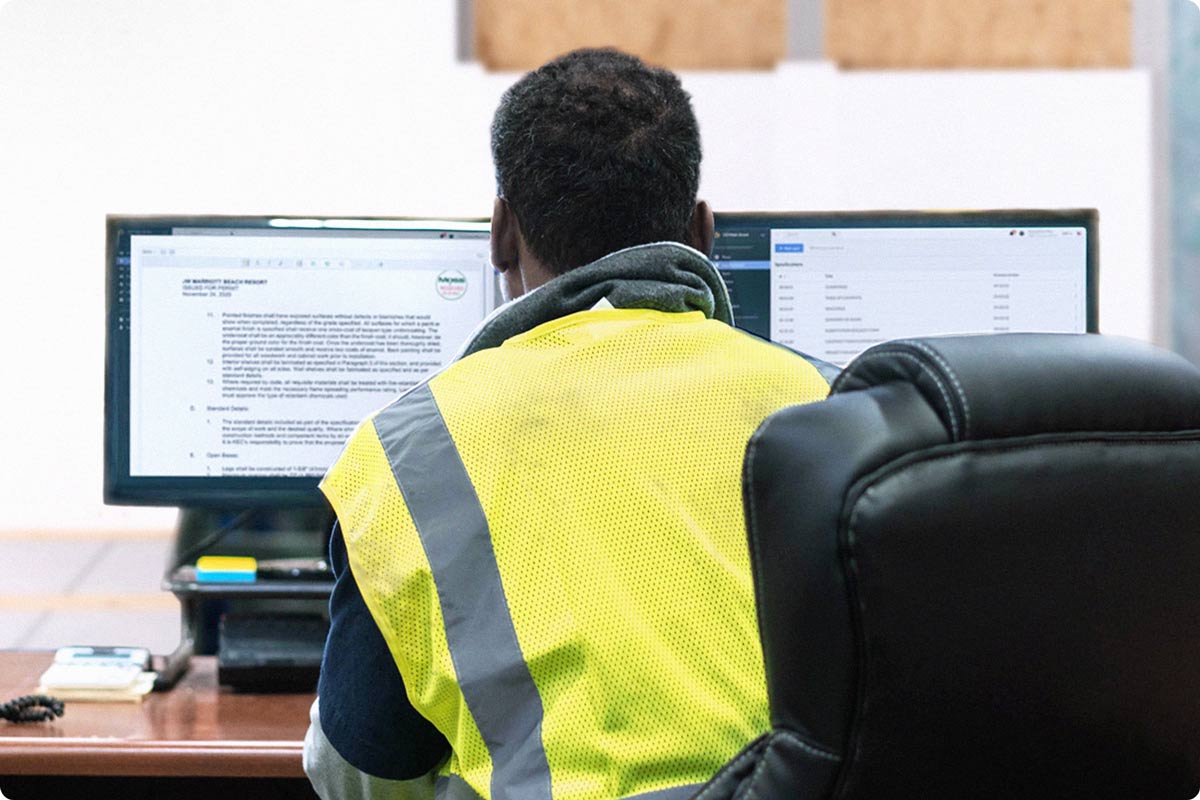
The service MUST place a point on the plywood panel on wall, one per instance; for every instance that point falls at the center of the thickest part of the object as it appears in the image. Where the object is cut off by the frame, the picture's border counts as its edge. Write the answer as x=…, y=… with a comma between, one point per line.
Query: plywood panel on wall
x=696, y=34
x=914, y=34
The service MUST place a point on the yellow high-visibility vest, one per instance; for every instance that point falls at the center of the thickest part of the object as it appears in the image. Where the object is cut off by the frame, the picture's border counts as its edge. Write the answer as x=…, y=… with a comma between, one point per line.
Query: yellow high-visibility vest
x=550, y=536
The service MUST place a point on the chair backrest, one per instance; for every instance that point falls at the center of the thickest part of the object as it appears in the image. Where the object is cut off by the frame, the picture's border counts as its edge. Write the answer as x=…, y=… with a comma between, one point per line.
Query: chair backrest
x=978, y=575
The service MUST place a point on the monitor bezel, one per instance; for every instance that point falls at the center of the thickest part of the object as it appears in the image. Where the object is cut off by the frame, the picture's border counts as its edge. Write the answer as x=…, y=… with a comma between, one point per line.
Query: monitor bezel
x=1086, y=218
x=121, y=488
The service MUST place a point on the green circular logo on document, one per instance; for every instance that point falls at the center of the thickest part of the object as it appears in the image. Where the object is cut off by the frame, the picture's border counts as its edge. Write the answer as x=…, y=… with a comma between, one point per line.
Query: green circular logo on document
x=451, y=284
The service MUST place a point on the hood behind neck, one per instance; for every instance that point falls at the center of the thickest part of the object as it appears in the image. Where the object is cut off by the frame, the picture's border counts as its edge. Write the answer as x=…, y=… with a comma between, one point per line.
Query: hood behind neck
x=664, y=276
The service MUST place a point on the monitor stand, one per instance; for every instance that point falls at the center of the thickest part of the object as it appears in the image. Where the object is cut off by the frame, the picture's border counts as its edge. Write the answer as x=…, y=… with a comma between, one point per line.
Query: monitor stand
x=298, y=537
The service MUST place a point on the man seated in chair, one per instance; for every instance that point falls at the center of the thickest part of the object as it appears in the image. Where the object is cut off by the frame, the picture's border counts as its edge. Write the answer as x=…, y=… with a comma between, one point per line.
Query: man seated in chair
x=543, y=584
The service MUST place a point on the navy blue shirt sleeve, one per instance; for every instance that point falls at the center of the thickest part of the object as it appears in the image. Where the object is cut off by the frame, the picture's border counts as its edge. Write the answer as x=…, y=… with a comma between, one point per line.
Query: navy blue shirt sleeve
x=364, y=710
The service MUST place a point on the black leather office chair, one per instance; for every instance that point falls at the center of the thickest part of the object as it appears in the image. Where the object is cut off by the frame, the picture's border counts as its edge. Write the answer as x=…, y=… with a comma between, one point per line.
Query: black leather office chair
x=978, y=576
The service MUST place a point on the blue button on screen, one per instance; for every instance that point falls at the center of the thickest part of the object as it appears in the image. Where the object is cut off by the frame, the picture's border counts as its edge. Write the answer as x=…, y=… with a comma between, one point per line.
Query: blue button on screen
x=789, y=247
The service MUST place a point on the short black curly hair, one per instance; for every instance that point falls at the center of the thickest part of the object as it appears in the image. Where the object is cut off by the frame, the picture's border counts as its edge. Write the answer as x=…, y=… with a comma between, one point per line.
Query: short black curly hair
x=596, y=151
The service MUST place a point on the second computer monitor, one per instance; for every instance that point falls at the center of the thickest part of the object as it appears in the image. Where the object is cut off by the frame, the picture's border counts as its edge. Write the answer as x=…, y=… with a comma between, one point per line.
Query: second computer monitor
x=834, y=284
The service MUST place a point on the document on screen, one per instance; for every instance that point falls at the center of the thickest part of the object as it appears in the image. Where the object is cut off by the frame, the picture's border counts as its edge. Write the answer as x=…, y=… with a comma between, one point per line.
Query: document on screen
x=257, y=356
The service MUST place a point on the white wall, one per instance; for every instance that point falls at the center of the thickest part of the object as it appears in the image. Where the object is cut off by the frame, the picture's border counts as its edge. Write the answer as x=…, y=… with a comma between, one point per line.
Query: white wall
x=359, y=107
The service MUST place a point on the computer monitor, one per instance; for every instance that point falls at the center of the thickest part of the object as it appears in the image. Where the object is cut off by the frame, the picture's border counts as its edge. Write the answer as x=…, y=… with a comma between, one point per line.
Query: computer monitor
x=243, y=351
x=833, y=284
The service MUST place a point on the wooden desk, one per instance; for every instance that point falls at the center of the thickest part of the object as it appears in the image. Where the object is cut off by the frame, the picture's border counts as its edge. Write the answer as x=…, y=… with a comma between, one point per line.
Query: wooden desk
x=194, y=730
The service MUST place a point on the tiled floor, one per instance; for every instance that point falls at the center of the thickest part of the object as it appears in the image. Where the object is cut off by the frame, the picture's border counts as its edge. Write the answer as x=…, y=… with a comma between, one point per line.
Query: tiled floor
x=85, y=588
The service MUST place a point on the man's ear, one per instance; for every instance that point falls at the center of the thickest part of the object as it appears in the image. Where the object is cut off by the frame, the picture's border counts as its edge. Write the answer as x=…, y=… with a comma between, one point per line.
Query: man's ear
x=505, y=246
x=700, y=229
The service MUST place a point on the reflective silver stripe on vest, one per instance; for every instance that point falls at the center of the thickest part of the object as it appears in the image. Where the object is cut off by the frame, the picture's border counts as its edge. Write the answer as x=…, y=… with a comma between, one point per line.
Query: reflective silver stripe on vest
x=492, y=673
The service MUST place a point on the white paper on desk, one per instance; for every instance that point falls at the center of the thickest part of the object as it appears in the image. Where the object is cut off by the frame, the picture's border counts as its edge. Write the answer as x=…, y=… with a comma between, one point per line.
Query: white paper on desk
x=68, y=675
x=134, y=692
